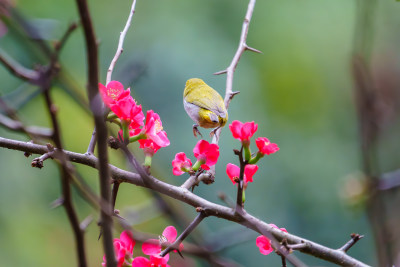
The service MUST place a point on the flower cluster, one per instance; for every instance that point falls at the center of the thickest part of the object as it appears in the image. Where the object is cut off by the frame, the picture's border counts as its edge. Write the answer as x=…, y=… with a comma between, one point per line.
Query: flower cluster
x=124, y=248
x=206, y=154
x=244, y=132
x=264, y=244
x=129, y=115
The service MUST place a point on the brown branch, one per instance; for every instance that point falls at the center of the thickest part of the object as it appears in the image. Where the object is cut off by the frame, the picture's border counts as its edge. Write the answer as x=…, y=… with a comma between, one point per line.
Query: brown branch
x=97, y=109
x=18, y=70
x=114, y=194
x=120, y=43
x=240, y=183
x=184, y=195
x=354, y=239
x=185, y=233
x=17, y=126
x=119, y=51
x=230, y=70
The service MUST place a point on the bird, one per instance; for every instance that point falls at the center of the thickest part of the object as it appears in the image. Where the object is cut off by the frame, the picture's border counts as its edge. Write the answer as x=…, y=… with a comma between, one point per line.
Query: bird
x=204, y=105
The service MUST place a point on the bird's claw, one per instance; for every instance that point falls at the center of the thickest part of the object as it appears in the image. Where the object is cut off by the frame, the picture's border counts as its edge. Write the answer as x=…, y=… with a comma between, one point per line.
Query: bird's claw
x=196, y=131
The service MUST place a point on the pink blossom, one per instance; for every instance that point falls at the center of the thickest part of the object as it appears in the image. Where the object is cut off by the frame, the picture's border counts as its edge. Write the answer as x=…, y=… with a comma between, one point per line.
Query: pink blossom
x=123, y=247
x=265, y=147
x=264, y=244
x=181, y=164
x=113, y=92
x=148, y=146
x=153, y=129
x=243, y=131
x=153, y=262
x=233, y=172
x=154, y=246
x=206, y=153
x=121, y=103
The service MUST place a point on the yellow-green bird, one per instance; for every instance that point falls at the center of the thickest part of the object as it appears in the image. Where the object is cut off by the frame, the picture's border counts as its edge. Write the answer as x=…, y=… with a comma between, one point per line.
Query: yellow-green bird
x=204, y=106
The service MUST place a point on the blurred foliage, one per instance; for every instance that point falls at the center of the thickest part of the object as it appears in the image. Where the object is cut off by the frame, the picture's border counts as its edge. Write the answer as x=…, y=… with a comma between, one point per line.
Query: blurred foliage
x=299, y=91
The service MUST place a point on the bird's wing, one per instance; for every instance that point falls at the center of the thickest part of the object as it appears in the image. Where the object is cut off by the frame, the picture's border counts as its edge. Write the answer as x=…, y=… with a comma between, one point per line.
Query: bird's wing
x=205, y=92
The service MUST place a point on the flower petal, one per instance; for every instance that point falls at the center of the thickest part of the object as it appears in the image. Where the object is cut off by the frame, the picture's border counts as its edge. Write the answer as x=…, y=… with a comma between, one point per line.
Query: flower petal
x=127, y=240
x=249, y=171
x=151, y=247
x=170, y=233
x=140, y=262
x=232, y=171
x=264, y=245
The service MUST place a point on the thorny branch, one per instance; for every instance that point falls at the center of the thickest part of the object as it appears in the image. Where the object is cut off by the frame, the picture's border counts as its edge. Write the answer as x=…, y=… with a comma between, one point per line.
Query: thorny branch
x=184, y=195
x=120, y=43
x=97, y=109
x=118, y=53
x=143, y=178
x=185, y=233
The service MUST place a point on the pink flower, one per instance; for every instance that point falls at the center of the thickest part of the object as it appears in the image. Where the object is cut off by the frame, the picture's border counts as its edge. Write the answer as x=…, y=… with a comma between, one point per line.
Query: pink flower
x=233, y=172
x=264, y=244
x=206, y=153
x=243, y=131
x=123, y=248
x=181, y=164
x=113, y=92
x=154, y=261
x=121, y=103
x=148, y=146
x=154, y=130
x=265, y=147
x=154, y=246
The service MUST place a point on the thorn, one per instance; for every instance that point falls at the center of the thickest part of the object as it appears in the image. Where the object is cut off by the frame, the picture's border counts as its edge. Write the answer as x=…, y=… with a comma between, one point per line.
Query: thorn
x=180, y=254
x=220, y=72
x=253, y=49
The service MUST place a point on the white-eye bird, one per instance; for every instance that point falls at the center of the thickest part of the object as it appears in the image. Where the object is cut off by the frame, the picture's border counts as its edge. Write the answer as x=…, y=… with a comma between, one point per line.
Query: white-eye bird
x=204, y=105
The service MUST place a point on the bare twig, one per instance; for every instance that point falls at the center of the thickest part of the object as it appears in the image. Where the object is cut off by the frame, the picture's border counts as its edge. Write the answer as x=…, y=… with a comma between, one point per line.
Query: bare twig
x=18, y=70
x=352, y=241
x=33, y=131
x=230, y=70
x=184, y=195
x=38, y=162
x=118, y=53
x=239, y=197
x=184, y=234
x=242, y=47
x=120, y=43
x=92, y=142
x=114, y=193
x=97, y=110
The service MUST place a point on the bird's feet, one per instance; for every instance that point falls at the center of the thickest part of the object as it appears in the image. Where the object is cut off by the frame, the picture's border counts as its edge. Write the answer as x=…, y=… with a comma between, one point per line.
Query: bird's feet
x=196, y=131
x=214, y=132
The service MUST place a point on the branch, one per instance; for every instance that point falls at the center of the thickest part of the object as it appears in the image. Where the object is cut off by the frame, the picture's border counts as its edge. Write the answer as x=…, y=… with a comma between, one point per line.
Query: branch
x=230, y=70
x=19, y=127
x=16, y=69
x=97, y=109
x=353, y=240
x=185, y=233
x=242, y=47
x=120, y=43
x=92, y=142
x=184, y=195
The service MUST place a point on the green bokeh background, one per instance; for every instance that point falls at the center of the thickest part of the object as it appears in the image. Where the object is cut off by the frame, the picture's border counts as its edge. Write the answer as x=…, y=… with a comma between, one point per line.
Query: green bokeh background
x=299, y=91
